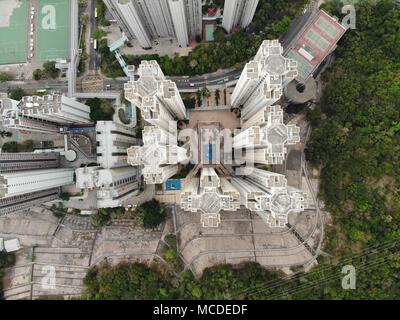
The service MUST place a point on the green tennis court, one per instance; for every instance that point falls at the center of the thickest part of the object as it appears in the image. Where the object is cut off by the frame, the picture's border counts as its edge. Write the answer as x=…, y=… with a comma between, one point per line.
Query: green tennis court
x=13, y=29
x=53, y=30
x=210, y=32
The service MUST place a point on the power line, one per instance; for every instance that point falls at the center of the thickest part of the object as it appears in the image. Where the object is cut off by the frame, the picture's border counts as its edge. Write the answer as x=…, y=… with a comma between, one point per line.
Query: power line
x=275, y=283
x=379, y=261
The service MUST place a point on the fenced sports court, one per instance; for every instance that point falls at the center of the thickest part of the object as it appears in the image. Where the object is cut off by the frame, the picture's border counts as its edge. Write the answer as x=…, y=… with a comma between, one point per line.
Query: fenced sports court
x=13, y=31
x=53, y=29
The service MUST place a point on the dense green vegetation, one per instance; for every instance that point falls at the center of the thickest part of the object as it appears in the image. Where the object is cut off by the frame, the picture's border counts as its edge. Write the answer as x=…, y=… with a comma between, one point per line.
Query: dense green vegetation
x=82, y=45
x=101, y=11
x=356, y=139
x=6, y=76
x=6, y=260
x=103, y=216
x=58, y=210
x=49, y=71
x=126, y=282
x=13, y=146
x=16, y=93
x=150, y=214
x=109, y=65
x=271, y=20
x=100, y=109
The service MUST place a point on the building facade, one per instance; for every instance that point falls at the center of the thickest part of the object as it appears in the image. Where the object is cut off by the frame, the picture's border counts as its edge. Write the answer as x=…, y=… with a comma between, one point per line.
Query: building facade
x=113, y=186
x=267, y=194
x=158, y=98
x=45, y=114
x=238, y=13
x=55, y=108
x=148, y=20
x=113, y=140
x=178, y=16
x=13, y=162
x=25, y=182
x=27, y=200
x=159, y=156
x=263, y=79
x=208, y=195
x=264, y=137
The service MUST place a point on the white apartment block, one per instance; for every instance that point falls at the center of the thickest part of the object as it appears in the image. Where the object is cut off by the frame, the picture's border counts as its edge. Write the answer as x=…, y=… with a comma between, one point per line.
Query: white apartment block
x=268, y=194
x=11, y=117
x=208, y=195
x=27, y=200
x=265, y=136
x=178, y=16
x=12, y=162
x=114, y=186
x=157, y=98
x=148, y=20
x=263, y=79
x=113, y=140
x=159, y=156
x=194, y=16
x=23, y=182
x=25, y=123
x=55, y=108
x=238, y=13
x=129, y=19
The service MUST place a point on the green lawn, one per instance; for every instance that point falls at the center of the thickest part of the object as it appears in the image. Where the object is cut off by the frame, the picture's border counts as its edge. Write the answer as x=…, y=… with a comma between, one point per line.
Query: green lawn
x=53, y=29
x=13, y=38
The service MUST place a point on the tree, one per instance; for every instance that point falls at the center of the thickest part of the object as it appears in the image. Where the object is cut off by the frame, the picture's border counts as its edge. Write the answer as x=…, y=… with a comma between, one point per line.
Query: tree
x=99, y=33
x=205, y=92
x=37, y=74
x=199, y=97
x=125, y=282
x=10, y=147
x=64, y=196
x=49, y=68
x=219, y=34
x=84, y=19
x=83, y=3
x=190, y=102
x=16, y=93
x=102, y=218
x=13, y=146
x=151, y=214
x=217, y=96
x=6, y=76
x=170, y=254
x=101, y=12
x=100, y=109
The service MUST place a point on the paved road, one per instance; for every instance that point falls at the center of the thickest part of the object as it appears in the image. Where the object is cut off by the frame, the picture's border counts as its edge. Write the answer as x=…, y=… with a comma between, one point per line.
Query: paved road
x=189, y=83
x=183, y=83
x=93, y=58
